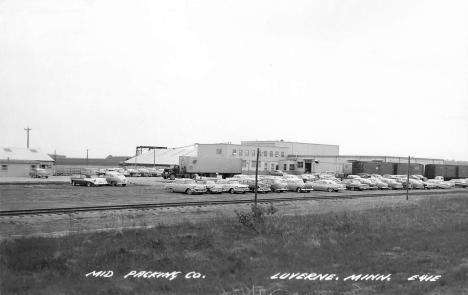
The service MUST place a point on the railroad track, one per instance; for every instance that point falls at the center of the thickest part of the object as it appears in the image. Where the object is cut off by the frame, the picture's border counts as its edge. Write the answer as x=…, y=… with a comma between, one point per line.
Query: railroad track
x=149, y=206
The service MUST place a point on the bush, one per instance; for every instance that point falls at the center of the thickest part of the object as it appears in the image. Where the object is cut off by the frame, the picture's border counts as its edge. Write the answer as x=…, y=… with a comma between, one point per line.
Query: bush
x=256, y=216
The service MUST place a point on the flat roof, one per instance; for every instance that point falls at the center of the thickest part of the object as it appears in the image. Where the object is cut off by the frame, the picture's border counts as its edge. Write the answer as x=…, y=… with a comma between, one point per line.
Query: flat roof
x=357, y=156
x=271, y=141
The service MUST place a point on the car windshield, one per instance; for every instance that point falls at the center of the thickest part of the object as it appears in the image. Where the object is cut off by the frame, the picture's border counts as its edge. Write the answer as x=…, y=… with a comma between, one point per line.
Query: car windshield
x=190, y=182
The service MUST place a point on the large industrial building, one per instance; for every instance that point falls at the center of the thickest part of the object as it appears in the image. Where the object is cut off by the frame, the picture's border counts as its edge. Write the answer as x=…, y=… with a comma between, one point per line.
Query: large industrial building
x=290, y=157
x=20, y=161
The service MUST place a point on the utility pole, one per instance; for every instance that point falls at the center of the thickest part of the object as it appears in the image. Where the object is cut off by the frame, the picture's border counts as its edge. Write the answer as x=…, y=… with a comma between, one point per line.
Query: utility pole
x=28, y=129
x=86, y=157
x=256, y=176
x=407, y=179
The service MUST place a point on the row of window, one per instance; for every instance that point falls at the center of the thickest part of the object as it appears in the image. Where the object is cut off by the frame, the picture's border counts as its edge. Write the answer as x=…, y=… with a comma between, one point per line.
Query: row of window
x=5, y=166
x=273, y=166
x=252, y=153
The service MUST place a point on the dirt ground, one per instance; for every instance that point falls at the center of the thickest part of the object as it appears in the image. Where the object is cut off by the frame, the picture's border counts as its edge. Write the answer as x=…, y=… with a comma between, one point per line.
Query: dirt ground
x=150, y=190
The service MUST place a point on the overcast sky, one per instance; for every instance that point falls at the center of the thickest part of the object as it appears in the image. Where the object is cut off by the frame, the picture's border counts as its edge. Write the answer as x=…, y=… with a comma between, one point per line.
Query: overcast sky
x=374, y=77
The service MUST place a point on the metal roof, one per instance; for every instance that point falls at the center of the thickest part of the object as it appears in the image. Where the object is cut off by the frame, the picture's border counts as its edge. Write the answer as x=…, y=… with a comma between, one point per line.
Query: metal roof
x=162, y=156
x=23, y=154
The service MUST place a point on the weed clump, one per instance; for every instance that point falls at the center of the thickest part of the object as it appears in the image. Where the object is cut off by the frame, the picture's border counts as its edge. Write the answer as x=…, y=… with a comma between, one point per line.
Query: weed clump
x=256, y=216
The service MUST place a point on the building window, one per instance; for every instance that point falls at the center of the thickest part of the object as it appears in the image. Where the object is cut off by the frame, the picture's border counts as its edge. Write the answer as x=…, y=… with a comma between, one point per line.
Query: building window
x=276, y=154
x=254, y=164
x=265, y=153
x=271, y=153
x=33, y=166
x=265, y=167
x=240, y=152
x=291, y=167
x=282, y=154
x=219, y=151
x=244, y=163
x=234, y=151
x=253, y=153
x=272, y=167
x=300, y=164
x=284, y=167
x=4, y=167
x=246, y=152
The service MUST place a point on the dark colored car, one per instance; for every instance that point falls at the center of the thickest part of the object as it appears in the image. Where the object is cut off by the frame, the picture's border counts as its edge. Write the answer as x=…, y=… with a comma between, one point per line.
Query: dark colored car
x=276, y=185
x=364, y=175
x=355, y=185
x=261, y=187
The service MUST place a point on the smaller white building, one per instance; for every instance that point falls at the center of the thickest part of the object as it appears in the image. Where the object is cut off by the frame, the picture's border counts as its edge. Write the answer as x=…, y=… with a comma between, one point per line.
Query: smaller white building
x=16, y=162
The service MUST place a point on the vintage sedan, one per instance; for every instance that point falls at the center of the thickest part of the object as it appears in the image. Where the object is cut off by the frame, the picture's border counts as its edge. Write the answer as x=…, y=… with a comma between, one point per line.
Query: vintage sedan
x=144, y=172
x=276, y=185
x=233, y=186
x=354, y=185
x=39, y=172
x=261, y=186
x=368, y=182
x=242, y=177
x=297, y=185
x=211, y=186
x=327, y=185
x=392, y=183
x=364, y=175
x=380, y=184
x=440, y=184
x=459, y=183
x=188, y=186
x=416, y=184
x=277, y=173
x=115, y=178
x=88, y=180
x=133, y=173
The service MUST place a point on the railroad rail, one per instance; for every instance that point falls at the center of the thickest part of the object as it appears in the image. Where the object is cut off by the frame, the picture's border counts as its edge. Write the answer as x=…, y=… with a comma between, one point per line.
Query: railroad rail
x=150, y=206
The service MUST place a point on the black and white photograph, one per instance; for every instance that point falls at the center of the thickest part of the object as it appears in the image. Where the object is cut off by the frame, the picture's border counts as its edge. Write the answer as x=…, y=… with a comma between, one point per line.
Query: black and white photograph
x=234, y=147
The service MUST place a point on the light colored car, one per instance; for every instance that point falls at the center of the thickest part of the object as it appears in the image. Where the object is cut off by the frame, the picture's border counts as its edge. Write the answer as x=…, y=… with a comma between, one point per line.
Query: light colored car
x=308, y=177
x=368, y=182
x=380, y=184
x=416, y=184
x=233, y=186
x=352, y=176
x=459, y=183
x=276, y=184
x=115, y=178
x=289, y=176
x=242, y=177
x=440, y=184
x=88, y=180
x=39, y=173
x=144, y=172
x=188, y=186
x=211, y=186
x=392, y=183
x=298, y=185
x=327, y=185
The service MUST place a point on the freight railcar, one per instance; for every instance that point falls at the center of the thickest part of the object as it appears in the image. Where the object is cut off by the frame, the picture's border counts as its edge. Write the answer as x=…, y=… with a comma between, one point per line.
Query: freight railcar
x=462, y=171
x=402, y=169
x=447, y=171
x=373, y=167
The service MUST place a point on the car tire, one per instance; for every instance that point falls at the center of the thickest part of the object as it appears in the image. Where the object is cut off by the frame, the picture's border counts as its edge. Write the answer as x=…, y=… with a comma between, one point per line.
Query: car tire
x=112, y=183
x=89, y=184
x=330, y=190
x=124, y=184
x=299, y=190
x=73, y=183
x=189, y=191
x=172, y=177
x=171, y=190
x=244, y=192
x=231, y=191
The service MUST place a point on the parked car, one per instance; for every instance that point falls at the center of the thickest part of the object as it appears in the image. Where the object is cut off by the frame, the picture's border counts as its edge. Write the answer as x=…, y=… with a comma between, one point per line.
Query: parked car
x=144, y=172
x=39, y=173
x=298, y=185
x=416, y=184
x=308, y=177
x=352, y=176
x=289, y=176
x=459, y=183
x=419, y=177
x=233, y=186
x=88, y=180
x=354, y=184
x=327, y=185
x=242, y=177
x=368, y=182
x=261, y=186
x=133, y=173
x=364, y=175
x=115, y=178
x=211, y=186
x=277, y=173
x=276, y=185
x=392, y=183
x=440, y=184
x=380, y=184
x=188, y=186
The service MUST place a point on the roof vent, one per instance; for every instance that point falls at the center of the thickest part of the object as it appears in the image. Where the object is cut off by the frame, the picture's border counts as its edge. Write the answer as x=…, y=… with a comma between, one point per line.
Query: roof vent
x=7, y=150
x=33, y=150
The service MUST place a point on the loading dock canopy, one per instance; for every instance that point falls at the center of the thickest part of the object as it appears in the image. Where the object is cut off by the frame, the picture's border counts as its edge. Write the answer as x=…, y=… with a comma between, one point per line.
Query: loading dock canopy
x=161, y=157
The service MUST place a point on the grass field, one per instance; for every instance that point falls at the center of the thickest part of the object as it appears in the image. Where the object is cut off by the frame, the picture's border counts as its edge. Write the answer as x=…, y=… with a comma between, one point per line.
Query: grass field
x=427, y=238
